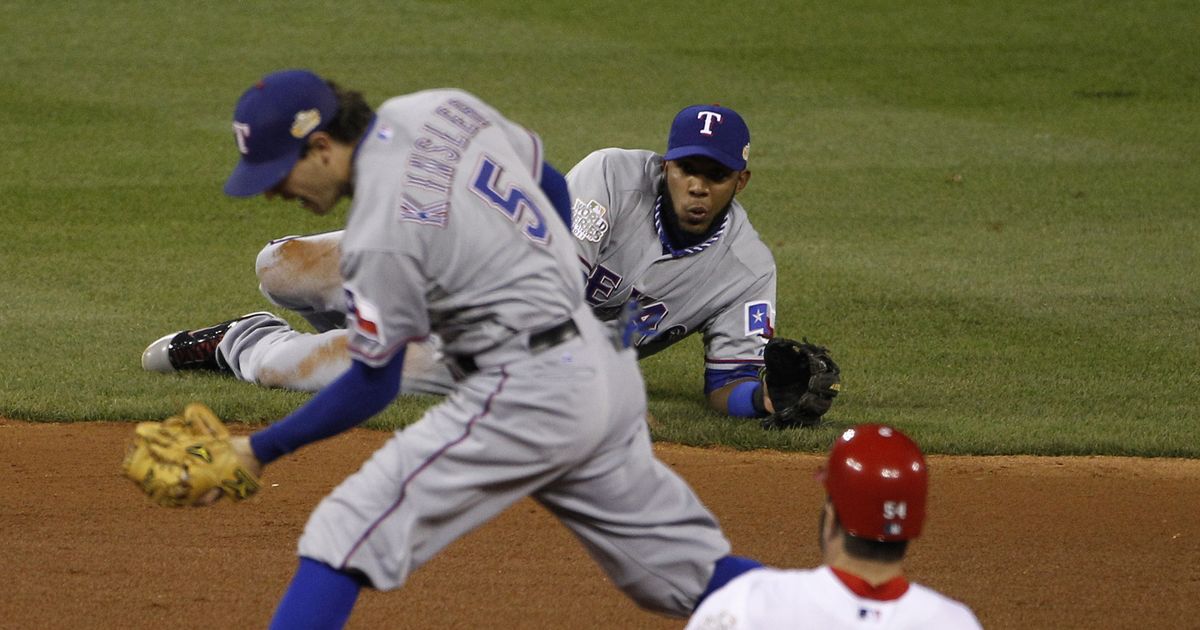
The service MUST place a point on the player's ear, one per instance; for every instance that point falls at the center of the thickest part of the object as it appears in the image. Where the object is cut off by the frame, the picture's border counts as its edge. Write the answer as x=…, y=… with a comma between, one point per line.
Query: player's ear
x=825, y=525
x=743, y=179
x=320, y=142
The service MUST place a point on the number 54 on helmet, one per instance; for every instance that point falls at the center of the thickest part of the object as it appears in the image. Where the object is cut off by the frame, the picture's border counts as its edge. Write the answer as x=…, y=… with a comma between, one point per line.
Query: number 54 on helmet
x=877, y=480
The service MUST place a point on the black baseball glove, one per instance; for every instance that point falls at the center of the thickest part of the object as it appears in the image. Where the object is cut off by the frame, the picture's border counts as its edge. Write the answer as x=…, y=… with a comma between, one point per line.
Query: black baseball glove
x=802, y=381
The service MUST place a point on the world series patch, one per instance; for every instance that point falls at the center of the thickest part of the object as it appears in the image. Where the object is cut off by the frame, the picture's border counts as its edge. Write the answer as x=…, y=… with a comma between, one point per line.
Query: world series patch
x=587, y=220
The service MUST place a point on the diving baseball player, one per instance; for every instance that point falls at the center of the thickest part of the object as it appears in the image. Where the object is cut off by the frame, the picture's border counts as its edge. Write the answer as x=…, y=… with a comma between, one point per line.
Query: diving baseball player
x=664, y=231
x=876, y=480
x=667, y=232
x=451, y=232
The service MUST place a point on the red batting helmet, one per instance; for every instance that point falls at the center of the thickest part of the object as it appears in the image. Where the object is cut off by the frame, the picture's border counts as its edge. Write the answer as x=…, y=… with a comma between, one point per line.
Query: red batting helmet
x=877, y=480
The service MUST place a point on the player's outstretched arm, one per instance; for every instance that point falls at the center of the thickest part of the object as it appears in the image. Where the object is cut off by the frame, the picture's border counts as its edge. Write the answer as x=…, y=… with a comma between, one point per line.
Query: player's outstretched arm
x=797, y=385
x=744, y=397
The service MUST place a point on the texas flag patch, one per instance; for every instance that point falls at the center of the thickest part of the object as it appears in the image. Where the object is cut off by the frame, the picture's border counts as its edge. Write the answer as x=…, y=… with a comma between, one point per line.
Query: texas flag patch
x=760, y=319
x=364, y=317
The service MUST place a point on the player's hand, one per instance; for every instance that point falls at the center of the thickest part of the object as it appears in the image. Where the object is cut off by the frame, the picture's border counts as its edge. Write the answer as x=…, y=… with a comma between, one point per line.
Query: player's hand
x=240, y=445
x=767, y=404
x=245, y=454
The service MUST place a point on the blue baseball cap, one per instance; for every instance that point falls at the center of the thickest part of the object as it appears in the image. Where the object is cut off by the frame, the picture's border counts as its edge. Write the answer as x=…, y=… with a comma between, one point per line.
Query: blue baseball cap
x=711, y=131
x=271, y=125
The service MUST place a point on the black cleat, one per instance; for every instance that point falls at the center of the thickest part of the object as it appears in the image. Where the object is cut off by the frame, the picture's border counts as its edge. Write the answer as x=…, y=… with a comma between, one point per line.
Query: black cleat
x=190, y=349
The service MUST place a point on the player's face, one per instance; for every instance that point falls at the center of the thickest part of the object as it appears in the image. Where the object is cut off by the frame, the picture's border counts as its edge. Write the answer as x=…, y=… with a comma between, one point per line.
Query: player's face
x=700, y=189
x=315, y=181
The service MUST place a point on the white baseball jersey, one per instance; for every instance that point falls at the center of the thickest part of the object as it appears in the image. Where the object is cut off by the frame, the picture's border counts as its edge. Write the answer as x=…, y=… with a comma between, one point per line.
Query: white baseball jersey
x=765, y=599
x=450, y=233
x=723, y=287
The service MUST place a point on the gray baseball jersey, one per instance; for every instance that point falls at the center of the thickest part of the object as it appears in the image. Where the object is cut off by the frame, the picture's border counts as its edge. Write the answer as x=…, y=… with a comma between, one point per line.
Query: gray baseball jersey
x=723, y=288
x=466, y=283
x=450, y=234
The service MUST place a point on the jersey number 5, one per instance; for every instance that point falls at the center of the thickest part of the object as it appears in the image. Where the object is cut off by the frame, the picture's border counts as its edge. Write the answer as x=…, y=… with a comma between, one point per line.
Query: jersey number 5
x=512, y=202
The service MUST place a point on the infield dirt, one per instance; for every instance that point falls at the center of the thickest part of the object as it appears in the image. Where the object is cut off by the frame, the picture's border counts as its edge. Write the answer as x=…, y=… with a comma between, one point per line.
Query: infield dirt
x=1027, y=542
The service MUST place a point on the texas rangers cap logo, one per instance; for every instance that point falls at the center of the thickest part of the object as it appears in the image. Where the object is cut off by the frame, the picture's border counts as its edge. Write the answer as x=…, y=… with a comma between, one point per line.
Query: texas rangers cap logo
x=271, y=124
x=710, y=131
x=708, y=117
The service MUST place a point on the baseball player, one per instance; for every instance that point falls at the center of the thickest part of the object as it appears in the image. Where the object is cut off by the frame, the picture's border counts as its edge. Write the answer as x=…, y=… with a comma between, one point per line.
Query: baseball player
x=876, y=482
x=665, y=231
x=451, y=232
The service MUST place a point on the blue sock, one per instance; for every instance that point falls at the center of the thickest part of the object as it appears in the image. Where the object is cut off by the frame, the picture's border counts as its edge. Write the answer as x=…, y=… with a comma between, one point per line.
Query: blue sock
x=319, y=598
x=727, y=568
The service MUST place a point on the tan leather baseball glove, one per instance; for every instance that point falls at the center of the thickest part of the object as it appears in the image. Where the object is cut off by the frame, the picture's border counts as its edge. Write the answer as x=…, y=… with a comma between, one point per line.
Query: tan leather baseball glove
x=187, y=460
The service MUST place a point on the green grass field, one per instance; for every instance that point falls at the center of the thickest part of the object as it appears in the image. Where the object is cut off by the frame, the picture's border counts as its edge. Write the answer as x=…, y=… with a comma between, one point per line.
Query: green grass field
x=987, y=210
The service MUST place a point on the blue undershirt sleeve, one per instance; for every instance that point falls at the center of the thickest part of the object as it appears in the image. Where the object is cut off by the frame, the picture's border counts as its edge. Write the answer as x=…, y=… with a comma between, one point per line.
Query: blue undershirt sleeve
x=741, y=400
x=745, y=399
x=355, y=396
x=725, y=571
x=555, y=187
